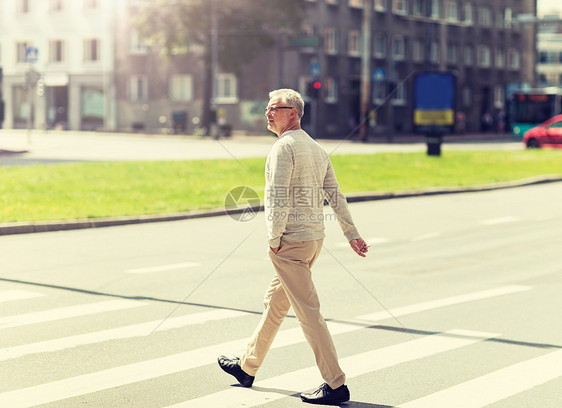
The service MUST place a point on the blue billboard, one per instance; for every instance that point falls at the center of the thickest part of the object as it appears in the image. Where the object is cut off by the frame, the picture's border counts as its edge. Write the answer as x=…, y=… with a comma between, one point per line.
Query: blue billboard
x=434, y=103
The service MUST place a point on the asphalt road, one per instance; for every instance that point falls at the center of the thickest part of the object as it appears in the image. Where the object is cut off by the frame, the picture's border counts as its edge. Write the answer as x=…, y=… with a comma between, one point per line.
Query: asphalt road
x=456, y=306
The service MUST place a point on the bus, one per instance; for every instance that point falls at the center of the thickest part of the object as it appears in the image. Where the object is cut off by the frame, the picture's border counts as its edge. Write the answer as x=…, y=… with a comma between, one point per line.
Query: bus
x=530, y=108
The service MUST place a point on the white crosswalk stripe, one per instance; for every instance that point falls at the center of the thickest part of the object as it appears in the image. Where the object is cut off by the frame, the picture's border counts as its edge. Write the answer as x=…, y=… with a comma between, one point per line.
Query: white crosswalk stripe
x=141, y=329
x=495, y=386
x=67, y=312
x=476, y=392
x=353, y=366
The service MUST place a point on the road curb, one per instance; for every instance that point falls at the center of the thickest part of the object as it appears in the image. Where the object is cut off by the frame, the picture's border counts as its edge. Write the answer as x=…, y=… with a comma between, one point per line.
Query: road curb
x=65, y=225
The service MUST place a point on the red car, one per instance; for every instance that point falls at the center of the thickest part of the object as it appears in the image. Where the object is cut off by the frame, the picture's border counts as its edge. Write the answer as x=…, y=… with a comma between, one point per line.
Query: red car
x=547, y=134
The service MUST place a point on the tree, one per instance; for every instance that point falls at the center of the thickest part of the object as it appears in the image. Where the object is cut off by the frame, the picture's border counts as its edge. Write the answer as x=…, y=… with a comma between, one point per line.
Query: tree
x=245, y=28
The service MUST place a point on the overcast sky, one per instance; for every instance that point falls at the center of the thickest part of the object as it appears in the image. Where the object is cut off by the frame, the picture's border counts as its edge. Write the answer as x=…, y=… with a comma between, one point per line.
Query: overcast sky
x=546, y=6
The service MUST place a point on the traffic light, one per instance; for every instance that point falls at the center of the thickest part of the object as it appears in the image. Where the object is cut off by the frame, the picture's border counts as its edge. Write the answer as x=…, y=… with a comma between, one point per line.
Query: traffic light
x=314, y=88
x=40, y=87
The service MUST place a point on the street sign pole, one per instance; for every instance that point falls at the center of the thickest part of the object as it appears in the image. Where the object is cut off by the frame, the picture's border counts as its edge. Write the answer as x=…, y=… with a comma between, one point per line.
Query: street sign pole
x=31, y=56
x=314, y=102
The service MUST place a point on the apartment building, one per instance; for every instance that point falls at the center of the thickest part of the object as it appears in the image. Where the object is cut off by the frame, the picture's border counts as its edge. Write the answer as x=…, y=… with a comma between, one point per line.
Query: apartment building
x=94, y=71
x=63, y=51
x=549, y=52
x=476, y=40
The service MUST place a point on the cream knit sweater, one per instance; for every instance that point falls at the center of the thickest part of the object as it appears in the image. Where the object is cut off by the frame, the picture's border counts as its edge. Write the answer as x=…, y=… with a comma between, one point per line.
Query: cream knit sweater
x=299, y=176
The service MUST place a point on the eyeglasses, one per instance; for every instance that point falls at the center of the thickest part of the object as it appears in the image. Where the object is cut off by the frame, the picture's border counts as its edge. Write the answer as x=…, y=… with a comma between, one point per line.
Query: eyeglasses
x=275, y=109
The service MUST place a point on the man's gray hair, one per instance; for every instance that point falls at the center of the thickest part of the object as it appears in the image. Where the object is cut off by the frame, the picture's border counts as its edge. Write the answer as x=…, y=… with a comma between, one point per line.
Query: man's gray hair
x=291, y=98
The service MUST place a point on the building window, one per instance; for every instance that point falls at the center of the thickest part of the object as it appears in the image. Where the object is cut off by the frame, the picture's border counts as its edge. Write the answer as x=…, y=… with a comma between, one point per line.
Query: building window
x=434, y=52
x=354, y=43
x=467, y=96
x=91, y=50
x=468, y=55
x=514, y=59
x=380, y=45
x=419, y=8
x=379, y=91
x=138, y=88
x=331, y=90
x=400, y=7
x=20, y=103
x=138, y=44
x=484, y=56
x=181, y=88
x=508, y=17
x=399, y=94
x=226, y=89
x=331, y=41
x=56, y=5
x=500, y=22
x=418, y=54
x=452, y=53
x=380, y=5
x=500, y=59
x=468, y=13
x=398, y=48
x=451, y=11
x=21, y=47
x=356, y=3
x=56, y=51
x=484, y=16
x=92, y=107
x=435, y=11
x=499, y=97
x=24, y=6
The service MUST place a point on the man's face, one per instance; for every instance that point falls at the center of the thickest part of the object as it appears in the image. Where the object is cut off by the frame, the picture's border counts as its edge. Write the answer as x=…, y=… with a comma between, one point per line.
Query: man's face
x=279, y=116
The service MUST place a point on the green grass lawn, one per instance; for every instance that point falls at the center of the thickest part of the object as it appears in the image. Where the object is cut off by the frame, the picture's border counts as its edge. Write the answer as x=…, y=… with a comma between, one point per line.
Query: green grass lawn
x=91, y=190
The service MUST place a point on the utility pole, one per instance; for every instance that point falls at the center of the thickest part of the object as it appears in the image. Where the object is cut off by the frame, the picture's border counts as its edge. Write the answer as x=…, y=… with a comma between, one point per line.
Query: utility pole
x=365, y=67
x=214, y=69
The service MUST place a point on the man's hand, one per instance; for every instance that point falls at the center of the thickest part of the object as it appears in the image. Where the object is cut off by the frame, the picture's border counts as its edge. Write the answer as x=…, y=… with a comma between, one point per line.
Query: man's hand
x=275, y=250
x=359, y=246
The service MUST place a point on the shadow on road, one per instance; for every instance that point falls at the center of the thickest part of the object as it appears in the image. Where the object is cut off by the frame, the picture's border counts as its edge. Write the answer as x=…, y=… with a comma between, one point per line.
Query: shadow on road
x=295, y=394
x=365, y=325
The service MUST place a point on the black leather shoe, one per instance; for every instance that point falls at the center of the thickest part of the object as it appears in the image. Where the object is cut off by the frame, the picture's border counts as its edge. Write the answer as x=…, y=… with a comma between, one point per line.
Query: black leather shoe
x=324, y=395
x=232, y=367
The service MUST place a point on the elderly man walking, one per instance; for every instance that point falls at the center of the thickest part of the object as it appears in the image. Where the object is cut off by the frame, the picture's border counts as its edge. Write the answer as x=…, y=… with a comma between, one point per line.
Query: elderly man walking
x=299, y=177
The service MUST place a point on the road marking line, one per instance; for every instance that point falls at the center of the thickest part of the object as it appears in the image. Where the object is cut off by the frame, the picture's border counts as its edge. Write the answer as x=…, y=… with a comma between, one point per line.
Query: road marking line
x=426, y=236
x=163, y=268
x=500, y=220
x=135, y=330
x=118, y=376
x=11, y=295
x=354, y=366
x=66, y=312
x=144, y=370
x=495, y=386
x=434, y=304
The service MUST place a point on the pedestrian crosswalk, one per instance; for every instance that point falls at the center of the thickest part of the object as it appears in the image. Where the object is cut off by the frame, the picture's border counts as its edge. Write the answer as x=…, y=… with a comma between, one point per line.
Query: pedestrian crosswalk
x=480, y=391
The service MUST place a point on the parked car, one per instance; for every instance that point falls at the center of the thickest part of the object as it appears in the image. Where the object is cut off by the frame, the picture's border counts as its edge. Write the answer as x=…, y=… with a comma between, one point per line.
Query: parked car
x=547, y=134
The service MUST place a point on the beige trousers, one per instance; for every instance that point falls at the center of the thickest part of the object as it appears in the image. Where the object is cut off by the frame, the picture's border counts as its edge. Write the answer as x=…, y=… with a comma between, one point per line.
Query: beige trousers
x=292, y=286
